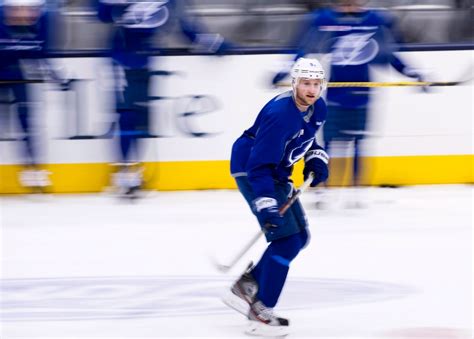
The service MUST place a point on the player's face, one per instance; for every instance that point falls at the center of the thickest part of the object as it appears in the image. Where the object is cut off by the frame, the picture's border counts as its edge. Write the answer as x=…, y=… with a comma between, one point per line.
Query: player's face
x=351, y=5
x=21, y=15
x=308, y=91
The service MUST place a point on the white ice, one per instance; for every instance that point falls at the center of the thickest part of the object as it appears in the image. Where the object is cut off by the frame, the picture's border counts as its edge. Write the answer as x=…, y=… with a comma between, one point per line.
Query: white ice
x=92, y=266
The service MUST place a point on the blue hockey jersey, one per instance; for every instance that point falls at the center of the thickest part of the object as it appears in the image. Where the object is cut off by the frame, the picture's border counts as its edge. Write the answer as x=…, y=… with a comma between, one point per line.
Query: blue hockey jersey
x=355, y=41
x=136, y=22
x=279, y=137
x=19, y=42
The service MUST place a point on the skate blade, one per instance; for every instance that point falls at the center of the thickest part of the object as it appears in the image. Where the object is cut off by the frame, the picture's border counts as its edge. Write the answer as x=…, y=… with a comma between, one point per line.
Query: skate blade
x=256, y=328
x=236, y=303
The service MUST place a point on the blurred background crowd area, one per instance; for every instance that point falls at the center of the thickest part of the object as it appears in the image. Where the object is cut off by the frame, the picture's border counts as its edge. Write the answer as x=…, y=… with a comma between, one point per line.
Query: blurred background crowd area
x=270, y=25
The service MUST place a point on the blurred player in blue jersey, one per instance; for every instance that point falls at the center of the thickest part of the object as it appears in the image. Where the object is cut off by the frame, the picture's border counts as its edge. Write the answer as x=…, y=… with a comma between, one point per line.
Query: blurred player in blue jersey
x=135, y=24
x=23, y=35
x=355, y=38
x=262, y=162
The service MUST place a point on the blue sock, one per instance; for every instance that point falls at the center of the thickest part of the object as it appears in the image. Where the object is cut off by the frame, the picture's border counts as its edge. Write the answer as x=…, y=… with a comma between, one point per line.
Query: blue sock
x=272, y=269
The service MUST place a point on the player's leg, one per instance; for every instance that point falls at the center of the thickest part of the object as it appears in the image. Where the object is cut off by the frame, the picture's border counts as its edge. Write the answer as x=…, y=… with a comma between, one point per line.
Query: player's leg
x=331, y=131
x=241, y=297
x=31, y=176
x=127, y=134
x=354, y=199
x=242, y=292
x=271, y=273
x=23, y=111
x=127, y=179
x=356, y=164
x=359, y=127
x=133, y=124
x=272, y=269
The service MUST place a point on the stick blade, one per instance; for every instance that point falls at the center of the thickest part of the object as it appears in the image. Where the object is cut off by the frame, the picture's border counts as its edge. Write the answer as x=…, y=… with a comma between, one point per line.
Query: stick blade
x=220, y=267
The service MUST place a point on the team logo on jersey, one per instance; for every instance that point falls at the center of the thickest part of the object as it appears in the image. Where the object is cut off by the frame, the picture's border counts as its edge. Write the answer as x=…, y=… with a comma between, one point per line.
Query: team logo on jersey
x=354, y=49
x=145, y=14
x=298, y=152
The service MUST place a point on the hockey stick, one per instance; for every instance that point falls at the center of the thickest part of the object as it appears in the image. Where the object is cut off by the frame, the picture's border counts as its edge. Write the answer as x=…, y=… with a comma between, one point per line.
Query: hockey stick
x=22, y=81
x=283, y=208
x=389, y=84
x=397, y=83
x=39, y=81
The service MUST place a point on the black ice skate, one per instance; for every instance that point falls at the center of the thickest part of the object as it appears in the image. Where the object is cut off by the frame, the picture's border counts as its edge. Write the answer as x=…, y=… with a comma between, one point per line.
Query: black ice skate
x=242, y=293
x=262, y=321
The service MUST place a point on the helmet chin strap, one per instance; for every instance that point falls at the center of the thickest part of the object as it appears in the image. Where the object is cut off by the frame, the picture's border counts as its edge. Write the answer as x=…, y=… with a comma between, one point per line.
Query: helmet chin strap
x=293, y=85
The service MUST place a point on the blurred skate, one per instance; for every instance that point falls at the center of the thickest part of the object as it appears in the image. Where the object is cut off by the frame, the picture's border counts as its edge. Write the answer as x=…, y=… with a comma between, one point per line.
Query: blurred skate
x=262, y=321
x=326, y=198
x=354, y=198
x=35, y=180
x=321, y=199
x=242, y=293
x=128, y=180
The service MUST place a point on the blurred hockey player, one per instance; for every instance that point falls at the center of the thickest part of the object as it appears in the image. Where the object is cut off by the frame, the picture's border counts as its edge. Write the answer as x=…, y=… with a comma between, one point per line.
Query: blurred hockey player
x=262, y=162
x=23, y=35
x=354, y=38
x=135, y=24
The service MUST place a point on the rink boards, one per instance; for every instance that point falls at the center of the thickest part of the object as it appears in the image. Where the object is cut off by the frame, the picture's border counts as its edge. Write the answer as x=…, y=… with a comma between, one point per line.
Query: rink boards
x=197, y=113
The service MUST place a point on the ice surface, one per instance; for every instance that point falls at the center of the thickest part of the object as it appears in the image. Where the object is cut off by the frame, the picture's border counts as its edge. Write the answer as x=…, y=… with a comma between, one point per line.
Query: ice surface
x=93, y=266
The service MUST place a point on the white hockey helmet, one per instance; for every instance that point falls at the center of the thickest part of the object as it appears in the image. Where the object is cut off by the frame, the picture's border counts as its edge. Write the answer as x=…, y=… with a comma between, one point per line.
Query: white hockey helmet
x=308, y=69
x=24, y=3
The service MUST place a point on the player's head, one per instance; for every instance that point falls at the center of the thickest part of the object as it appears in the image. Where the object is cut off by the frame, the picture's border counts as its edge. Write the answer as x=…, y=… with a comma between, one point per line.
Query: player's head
x=308, y=80
x=23, y=2
x=22, y=12
x=350, y=5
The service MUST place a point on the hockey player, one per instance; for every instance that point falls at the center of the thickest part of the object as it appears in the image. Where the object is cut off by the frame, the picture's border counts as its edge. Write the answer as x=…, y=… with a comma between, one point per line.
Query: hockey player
x=262, y=161
x=23, y=35
x=135, y=24
x=355, y=38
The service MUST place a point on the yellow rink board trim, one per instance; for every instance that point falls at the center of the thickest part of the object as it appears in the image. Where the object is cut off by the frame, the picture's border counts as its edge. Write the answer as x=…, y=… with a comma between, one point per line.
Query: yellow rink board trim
x=192, y=175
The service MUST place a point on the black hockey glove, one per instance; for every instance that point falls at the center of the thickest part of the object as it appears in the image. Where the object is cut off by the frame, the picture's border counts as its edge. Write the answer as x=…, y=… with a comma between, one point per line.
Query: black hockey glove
x=64, y=84
x=316, y=161
x=418, y=77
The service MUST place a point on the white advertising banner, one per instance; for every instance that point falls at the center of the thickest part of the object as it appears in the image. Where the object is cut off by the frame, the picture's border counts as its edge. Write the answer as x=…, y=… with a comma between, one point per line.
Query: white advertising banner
x=204, y=105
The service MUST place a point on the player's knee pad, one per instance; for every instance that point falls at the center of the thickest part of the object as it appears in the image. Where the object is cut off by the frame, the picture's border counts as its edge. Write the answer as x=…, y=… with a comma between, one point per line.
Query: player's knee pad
x=287, y=248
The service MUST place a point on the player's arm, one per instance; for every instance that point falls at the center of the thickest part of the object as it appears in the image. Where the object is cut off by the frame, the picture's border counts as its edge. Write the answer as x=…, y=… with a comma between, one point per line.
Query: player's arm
x=404, y=69
x=390, y=25
x=105, y=9
x=197, y=33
